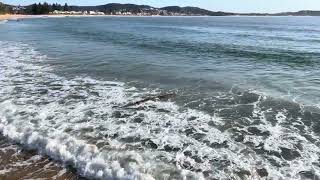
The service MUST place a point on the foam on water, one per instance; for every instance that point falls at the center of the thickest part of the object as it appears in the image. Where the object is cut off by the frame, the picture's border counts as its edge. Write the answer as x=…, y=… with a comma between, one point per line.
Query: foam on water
x=83, y=122
x=16, y=163
x=3, y=21
x=45, y=130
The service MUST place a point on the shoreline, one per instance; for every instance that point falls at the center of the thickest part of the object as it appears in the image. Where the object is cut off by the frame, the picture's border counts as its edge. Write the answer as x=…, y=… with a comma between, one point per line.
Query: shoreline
x=15, y=16
x=21, y=16
x=5, y=17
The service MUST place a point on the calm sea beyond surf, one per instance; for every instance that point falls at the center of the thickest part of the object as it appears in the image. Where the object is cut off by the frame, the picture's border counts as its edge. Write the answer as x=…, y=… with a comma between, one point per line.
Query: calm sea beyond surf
x=160, y=98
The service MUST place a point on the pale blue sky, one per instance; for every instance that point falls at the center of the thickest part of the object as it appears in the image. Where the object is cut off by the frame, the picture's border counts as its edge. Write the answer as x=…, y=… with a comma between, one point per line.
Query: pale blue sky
x=215, y=5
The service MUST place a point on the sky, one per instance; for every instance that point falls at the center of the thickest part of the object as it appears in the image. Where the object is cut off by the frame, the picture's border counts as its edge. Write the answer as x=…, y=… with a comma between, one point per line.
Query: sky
x=260, y=6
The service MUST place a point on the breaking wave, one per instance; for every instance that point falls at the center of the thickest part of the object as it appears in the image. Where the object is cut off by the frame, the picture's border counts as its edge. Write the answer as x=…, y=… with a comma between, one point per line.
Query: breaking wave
x=87, y=124
x=3, y=21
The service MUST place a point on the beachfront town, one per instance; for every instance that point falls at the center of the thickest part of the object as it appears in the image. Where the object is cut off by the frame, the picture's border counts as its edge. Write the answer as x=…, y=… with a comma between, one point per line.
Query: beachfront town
x=107, y=9
x=152, y=12
x=56, y=12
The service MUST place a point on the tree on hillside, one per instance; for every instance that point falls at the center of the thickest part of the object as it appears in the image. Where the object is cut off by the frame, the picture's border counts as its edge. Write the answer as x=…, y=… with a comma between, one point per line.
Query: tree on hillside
x=4, y=9
x=34, y=9
x=66, y=7
x=45, y=9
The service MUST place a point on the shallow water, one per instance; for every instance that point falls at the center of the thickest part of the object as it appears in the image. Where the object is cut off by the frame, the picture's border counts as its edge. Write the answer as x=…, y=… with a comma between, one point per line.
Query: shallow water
x=239, y=95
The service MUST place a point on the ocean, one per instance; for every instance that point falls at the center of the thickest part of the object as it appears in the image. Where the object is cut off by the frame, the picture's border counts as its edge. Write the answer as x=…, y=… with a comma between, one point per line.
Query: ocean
x=160, y=98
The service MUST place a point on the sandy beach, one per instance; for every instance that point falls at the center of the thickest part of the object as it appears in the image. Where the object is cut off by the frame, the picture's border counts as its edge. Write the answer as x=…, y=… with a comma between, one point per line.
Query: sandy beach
x=20, y=16
x=13, y=16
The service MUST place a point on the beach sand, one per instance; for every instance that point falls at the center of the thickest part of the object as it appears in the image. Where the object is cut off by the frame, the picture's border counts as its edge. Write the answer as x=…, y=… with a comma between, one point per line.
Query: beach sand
x=13, y=16
x=17, y=163
x=20, y=16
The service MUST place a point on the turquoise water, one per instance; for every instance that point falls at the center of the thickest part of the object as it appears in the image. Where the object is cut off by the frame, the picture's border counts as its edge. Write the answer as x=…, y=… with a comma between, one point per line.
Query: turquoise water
x=245, y=104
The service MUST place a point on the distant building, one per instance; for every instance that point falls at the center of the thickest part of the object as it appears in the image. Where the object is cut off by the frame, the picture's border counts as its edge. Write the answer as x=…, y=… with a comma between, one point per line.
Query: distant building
x=96, y=13
x=77, y=12
x=18, y=9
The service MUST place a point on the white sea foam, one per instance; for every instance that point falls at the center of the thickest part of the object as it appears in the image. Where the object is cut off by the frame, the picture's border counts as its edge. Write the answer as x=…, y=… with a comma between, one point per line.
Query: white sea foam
x=48, y=137
x=3, y=21
x=82, y=122
x=82, y=156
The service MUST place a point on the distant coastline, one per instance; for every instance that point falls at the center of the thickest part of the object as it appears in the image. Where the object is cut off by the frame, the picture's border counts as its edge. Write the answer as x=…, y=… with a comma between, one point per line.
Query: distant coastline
x=17, y=17
x=130, y=10
x=23, y=16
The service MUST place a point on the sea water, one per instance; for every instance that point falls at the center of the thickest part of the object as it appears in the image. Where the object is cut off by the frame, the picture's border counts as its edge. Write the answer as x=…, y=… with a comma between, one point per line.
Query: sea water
x=161, y=97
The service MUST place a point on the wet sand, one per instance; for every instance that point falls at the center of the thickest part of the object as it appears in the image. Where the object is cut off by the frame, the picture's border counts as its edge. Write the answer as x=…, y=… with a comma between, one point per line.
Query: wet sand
x=13, y=16
x=16, y=163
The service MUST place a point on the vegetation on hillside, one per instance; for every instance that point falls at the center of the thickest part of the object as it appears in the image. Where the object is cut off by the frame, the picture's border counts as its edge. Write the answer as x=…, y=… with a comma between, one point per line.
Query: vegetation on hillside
x=115, y=8
x=112, y=8
x=5, y=9
x=43, y=8
x=34, y=9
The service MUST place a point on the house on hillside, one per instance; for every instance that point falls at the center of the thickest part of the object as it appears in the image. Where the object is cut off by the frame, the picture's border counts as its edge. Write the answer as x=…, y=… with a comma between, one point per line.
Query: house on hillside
x=18, y=9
